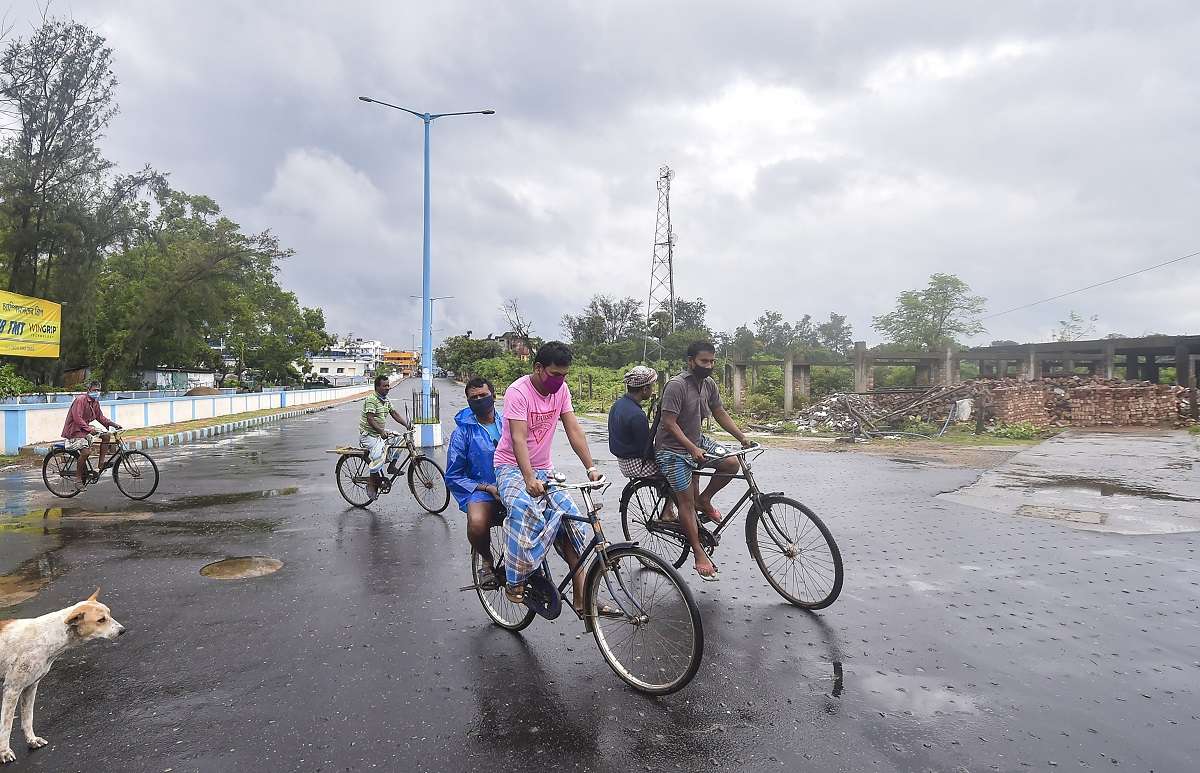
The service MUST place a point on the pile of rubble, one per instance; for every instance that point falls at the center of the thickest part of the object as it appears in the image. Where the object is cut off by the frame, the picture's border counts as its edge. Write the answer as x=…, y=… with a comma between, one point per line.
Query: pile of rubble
x=1074, y=401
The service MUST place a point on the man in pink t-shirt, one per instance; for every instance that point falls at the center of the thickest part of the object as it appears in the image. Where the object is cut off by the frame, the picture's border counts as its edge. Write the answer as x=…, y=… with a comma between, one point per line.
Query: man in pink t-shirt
x=533, y=407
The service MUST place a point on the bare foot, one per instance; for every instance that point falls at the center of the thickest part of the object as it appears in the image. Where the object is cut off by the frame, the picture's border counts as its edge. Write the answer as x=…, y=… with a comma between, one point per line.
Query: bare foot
x=35, y=742
x=6, y=755
x=705, y=568
x=708, y=511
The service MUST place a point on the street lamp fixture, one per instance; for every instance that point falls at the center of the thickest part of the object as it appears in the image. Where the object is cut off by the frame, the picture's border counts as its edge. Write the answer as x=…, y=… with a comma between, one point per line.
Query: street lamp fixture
x=433, y=437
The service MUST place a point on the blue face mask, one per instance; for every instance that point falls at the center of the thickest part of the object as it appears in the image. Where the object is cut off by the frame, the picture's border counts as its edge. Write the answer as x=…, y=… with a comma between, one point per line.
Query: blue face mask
x=94, y=395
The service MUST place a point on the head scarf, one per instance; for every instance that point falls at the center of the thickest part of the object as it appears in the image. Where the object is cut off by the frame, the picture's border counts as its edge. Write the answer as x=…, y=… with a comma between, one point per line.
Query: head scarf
x=640, y=376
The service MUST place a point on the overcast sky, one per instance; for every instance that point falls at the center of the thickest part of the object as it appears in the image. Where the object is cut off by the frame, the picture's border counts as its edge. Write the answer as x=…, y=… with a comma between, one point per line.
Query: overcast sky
x=827, y=155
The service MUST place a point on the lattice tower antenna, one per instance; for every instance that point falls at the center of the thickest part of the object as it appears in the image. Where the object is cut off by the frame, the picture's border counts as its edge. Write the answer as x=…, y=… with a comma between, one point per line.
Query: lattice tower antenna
x=662, y=265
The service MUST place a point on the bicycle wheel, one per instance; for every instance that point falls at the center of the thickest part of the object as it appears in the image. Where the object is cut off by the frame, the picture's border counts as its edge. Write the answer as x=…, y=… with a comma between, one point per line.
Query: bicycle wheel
x=353, y=473
x=503, y=612
x=427, y=482
x=795, y=552
x=136, y=474
x=642, y=503
x=58, y=473
x=656, y=641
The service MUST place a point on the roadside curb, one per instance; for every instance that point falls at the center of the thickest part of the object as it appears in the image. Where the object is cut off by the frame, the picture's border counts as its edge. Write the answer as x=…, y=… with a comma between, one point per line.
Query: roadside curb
x=192, y=435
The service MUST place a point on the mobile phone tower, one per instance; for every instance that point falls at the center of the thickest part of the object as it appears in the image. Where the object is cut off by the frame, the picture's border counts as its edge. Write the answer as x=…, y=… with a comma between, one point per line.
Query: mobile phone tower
x=660, y=306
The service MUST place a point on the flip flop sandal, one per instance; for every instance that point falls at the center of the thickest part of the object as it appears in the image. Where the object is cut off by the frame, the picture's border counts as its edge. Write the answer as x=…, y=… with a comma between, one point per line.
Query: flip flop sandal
x=486, y=579
x=515, y=593
x=714, y=577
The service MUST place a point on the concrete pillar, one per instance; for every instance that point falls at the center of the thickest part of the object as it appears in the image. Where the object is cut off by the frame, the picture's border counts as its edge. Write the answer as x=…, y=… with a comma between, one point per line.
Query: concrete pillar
x=949, y=368
x=1110, y=355
x=804, y=380
x=1069, y=366
x=739, y=379
x=788, y=375
x=1001, y=368
x=924, y=376
x=1151, y=369
x=1132, y=371
x=1183, y=366
x=1031, y=364
x=987, y=369
x=860, y=366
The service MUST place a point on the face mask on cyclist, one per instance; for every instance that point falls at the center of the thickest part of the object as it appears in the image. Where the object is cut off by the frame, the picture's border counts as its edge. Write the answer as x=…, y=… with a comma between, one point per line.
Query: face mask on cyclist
x=551, y=383
x=482, y=406
x=94, y=395
x=701, y=372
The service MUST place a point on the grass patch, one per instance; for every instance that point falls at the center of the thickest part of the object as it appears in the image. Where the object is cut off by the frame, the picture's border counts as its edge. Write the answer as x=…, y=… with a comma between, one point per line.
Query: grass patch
x=1194, y=429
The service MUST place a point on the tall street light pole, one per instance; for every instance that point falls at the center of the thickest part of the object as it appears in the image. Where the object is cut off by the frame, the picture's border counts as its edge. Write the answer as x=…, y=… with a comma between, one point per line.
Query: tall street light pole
x=428, y=435
x=431, y=302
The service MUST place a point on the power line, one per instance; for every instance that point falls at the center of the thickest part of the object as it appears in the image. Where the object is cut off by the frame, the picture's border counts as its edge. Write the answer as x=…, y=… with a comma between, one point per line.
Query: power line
x=1093, y=286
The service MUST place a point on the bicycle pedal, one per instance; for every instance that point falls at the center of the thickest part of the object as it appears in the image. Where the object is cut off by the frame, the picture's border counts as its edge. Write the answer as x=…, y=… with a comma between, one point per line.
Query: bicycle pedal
x=542, y=597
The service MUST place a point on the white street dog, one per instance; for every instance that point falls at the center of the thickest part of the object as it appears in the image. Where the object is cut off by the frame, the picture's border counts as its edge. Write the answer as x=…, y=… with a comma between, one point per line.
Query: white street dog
x=28, y=648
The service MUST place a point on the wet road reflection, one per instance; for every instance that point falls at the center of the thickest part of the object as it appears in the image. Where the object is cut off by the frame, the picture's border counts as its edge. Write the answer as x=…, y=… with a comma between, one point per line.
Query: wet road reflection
x=963, y=638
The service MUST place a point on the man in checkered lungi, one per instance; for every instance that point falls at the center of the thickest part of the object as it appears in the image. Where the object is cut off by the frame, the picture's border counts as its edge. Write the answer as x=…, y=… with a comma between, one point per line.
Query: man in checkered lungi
x=629, y=430
x=533, y=406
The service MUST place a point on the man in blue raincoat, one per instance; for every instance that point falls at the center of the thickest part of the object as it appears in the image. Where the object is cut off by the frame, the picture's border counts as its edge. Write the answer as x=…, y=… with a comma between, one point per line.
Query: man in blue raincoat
x=471, y=474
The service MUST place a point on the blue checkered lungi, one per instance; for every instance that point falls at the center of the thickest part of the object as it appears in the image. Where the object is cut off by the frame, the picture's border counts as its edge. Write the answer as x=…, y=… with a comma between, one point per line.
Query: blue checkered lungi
x=532, y=525
x=677, y=467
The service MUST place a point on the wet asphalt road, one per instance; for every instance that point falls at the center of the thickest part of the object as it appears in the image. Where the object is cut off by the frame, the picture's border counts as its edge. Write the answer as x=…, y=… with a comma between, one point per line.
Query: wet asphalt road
x=964, y=639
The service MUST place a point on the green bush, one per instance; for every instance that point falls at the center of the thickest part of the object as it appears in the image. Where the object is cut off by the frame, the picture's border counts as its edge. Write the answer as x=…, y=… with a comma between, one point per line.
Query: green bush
x=831, y=380
x=11, y=384
x=761, y=406
x=501, y=370
x=915, y=425
x=1194, y=429
x=1019, y=431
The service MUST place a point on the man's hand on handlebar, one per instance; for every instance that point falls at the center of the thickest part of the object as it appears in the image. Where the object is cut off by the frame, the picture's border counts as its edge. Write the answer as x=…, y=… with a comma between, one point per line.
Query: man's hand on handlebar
x=595, y=475
x=535, y=487
x=748, y=443
x=698, y=454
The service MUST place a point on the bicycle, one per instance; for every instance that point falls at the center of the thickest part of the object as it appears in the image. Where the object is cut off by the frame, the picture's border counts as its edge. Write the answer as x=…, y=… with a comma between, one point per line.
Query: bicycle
x=134, y=472
x=793, y=548
x=426, y=478
x=641, y=613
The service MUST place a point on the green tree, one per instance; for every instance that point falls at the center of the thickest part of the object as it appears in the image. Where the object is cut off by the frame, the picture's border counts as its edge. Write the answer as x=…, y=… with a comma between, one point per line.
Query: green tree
x=835, y=335
x=690, y=315
x=460, y=354
x=605, y=320
x=1074, y=327
x=933, y=318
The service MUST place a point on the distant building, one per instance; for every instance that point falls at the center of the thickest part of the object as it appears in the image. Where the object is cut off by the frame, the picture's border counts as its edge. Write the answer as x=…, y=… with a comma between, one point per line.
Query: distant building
x=513, y=344
x=406, y=362
x=177, y=378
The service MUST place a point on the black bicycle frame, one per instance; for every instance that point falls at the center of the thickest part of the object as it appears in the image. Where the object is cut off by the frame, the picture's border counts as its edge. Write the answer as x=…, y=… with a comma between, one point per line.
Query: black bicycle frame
x=751, y=494
x=600, y=548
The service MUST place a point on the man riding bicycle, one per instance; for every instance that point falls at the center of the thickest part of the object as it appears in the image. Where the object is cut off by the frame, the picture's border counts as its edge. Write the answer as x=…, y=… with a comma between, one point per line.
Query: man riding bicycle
x=374, y=435
x=681, y=448
x=80, y=431
x=533, y=406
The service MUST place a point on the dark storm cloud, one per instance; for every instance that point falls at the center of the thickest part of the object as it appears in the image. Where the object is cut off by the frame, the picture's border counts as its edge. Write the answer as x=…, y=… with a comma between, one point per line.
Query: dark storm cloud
x=828, y=155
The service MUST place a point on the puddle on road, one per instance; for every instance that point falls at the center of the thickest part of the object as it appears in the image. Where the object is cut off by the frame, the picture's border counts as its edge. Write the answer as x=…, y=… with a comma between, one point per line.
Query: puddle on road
x=919, y=696
x=24, y=582
x=1063, y=514
x=903, y=460
x=241, y=568
x=1105, y=488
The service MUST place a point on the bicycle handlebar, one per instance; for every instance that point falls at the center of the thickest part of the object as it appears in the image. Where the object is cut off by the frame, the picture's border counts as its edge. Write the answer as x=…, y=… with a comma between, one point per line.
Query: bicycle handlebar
x=559, y=481
x=733, y=453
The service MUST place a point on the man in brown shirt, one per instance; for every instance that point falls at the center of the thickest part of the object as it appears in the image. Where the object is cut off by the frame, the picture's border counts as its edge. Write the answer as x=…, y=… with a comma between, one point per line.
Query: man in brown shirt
x=79, y=432
x=680, y=447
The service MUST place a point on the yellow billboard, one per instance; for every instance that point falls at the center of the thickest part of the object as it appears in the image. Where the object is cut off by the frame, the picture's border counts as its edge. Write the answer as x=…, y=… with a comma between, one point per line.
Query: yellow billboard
x=29, y=327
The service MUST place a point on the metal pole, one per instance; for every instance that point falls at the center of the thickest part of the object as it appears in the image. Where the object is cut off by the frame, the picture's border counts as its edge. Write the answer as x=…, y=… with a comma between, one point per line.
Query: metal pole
x=426, y=304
